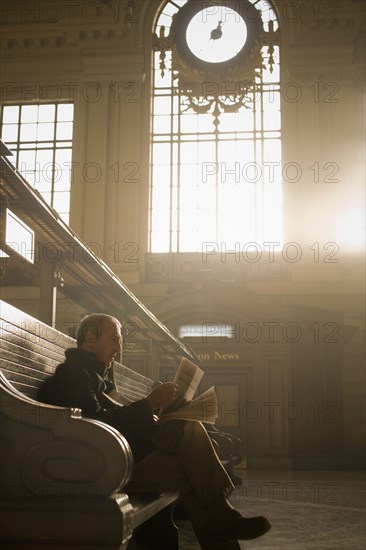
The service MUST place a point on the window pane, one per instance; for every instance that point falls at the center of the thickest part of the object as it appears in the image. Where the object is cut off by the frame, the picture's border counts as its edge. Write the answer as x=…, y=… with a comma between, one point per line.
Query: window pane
x=45, y=131
x=13, y=159
x=46, y=113
x=29, y=113
x=161, y=175
x=62, y=180
x=272, y=121
x=188, y=175
x=31, y=178
x=189, y=124
x=188, y=153
x=205, y=123
x=272, y=149
x=161, y=219
x=61, y=202
x=227, y=152
x=228, y=122
x=206, y=151
x=161, y=153
x=47, y=197
x=165, y=21
x=65, y=112
x=64, y=130
x=162, y=124
x=43, y=182
x=161, y=198
x=247, y=121
x=44, y=157
x=10, y=132
x=63, y=158
x=28, y=132
x=162, y=105
x=10, y=114
x=160, y=241
x=19, y=236
x=162, y=81
x=27, y=161
x=271, y=101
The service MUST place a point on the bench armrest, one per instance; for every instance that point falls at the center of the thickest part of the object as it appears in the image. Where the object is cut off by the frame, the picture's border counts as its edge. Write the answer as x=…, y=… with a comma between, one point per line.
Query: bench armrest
x=53, y=452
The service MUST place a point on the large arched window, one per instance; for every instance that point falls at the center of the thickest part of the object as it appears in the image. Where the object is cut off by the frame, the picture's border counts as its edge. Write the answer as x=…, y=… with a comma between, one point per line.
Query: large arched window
x=216, y=159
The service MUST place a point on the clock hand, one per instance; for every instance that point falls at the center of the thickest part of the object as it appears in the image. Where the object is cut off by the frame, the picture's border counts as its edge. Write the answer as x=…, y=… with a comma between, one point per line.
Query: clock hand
x=216, y=33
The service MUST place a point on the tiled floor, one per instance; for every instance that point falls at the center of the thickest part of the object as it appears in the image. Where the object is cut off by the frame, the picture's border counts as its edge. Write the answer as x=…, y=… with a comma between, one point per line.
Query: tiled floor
x=309, y=510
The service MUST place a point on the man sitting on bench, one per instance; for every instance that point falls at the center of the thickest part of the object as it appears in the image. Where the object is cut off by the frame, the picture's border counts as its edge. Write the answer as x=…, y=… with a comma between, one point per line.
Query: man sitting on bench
x=171, y=456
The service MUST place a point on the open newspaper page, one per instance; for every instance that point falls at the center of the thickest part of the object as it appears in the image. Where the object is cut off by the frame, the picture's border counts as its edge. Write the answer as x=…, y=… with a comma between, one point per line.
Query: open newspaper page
x=188, y=377
x=203, y=407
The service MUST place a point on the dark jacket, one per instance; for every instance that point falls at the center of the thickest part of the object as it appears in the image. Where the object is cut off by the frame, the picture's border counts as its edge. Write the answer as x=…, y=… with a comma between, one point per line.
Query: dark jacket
x=82, y=382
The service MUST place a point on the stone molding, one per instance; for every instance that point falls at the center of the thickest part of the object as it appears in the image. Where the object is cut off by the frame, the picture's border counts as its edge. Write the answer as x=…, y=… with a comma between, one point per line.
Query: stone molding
x=114, y=28
x=307, y=21
x=189, y=268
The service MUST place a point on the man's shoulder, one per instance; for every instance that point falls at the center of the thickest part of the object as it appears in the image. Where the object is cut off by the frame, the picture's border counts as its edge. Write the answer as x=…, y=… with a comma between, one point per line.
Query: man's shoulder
x=70, y=368
x=69, y=376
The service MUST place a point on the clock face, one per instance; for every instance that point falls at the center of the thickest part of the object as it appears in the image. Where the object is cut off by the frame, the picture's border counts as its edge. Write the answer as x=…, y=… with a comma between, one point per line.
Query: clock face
x=213, y=36
x=216, y=36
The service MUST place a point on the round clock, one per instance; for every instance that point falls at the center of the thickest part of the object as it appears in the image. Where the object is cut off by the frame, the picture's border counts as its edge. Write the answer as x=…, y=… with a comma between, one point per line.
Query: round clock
x=213, y=36
x=213, y=40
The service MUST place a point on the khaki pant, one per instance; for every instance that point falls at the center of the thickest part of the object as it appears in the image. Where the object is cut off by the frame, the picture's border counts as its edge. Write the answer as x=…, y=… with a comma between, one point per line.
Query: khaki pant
x=184, y=461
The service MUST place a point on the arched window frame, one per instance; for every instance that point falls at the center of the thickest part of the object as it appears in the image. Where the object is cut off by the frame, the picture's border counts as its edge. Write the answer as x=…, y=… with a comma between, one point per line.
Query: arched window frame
x=215, y=185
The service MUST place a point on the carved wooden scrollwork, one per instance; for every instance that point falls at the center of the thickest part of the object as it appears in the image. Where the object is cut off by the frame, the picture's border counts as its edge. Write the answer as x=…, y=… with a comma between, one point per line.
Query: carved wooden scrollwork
x=54, y=452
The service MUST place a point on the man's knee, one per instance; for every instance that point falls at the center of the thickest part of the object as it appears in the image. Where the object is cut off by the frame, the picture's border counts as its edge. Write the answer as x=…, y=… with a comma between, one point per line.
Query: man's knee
x=194, y=430
x=170, y=433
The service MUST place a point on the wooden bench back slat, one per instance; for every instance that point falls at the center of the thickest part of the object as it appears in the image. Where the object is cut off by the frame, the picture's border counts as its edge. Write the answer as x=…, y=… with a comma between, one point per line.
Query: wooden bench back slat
x=44, y=349
x=125, y=382
x=124, y=372
x=31, y=360
x=32, y=357
x=14, y=371
x=29, y=329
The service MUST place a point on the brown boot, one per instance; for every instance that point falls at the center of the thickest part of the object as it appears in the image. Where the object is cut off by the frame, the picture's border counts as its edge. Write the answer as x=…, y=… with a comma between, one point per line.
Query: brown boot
x=226, y=523
x=242, y=529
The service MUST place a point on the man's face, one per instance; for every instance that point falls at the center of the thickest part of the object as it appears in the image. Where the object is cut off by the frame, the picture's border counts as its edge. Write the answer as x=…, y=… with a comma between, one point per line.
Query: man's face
x=108, y=345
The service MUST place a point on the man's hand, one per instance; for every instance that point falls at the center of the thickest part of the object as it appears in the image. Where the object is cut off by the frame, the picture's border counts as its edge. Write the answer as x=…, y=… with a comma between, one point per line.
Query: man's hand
x=162, y=395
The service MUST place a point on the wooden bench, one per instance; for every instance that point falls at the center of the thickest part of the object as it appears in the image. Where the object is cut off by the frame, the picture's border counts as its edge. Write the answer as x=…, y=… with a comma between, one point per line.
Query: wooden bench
x=62, y=476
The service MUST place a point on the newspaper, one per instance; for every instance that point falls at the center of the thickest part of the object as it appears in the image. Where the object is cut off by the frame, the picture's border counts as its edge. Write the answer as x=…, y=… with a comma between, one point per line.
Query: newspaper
x=185, y=406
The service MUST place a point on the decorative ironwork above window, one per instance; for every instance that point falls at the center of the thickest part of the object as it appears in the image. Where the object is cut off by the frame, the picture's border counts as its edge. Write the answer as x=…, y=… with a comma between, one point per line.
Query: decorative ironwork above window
x=219, y=49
